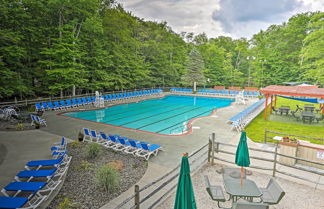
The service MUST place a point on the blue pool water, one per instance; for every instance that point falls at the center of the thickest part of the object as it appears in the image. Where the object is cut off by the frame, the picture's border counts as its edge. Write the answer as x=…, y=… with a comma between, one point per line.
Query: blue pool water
x=167, y=115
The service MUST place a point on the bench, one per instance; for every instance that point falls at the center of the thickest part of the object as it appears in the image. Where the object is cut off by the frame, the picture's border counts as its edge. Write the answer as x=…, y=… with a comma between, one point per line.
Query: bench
x=250, y=205
x=273, y=193
x=215, y=192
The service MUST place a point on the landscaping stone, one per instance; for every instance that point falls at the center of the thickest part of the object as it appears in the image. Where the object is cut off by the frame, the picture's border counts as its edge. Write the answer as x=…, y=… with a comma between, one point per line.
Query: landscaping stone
x=80, y=184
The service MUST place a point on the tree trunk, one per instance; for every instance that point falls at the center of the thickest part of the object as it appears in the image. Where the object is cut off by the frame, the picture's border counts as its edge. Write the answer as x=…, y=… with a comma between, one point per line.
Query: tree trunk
x=73, y=90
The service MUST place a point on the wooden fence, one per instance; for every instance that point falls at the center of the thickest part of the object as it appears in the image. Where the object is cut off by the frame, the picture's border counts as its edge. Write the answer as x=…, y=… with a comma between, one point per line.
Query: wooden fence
x=267, y=160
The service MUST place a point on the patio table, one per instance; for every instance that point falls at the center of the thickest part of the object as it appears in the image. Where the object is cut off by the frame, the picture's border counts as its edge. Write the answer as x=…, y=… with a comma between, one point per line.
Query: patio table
x=284, y=109
x=309, y=108
x=248, y=190
x=306, y=115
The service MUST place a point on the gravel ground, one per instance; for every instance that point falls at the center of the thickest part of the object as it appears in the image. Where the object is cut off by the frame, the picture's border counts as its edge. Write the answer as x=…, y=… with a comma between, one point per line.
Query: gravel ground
x=298, y=196
x=80, y=186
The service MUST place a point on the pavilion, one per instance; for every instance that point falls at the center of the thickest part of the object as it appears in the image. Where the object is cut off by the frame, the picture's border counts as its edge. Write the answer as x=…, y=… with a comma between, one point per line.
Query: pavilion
x=299, y=91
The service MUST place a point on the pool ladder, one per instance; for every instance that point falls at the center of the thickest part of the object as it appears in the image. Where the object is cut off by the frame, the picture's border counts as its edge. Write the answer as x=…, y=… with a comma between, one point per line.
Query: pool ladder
x=183, y=128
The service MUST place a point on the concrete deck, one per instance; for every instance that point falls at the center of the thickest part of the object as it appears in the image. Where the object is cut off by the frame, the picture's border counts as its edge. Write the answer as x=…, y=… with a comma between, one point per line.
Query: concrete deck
x=34, y=145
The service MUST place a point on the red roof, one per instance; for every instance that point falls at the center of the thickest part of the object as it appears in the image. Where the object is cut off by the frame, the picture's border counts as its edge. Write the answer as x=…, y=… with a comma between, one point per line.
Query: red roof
x=293, y=91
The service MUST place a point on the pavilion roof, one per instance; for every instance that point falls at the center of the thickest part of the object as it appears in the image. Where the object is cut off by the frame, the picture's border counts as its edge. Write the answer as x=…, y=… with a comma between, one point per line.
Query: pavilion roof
x=307, y=91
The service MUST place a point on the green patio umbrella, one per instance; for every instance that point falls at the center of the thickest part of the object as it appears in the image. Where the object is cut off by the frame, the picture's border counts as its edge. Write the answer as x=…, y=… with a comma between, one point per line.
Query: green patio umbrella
x=185, y=198
x=242, y=157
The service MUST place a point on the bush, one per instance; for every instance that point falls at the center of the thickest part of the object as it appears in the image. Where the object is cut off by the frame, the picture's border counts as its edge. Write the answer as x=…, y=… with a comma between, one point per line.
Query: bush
x=67, y=204
x=84, y=166
x=93, y=150
x=20, y=127
x=117, y=164
x=107, y=177
x=75, y=144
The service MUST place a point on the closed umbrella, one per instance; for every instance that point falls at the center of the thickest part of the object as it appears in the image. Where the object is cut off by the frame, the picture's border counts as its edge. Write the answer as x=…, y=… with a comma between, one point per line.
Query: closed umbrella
x=185, y=198
x=242, y=157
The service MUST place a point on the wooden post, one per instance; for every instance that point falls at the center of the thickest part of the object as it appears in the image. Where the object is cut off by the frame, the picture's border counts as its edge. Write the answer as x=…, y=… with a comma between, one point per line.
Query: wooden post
x=275, y=101
x=275, y=161
x=209, y=149
x=213, y=148
x=265, y=135
x=271, y=104
x=137, y=197
x=265, y=108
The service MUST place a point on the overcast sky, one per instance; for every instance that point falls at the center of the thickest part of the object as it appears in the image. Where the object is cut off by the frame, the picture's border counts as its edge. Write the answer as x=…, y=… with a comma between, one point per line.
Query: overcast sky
x=235, y=18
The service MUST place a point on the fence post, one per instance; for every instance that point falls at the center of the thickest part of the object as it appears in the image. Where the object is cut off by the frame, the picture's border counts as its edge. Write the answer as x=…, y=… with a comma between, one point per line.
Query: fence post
x=213, y=148
x=209, y=149
x=275, y=161
x=137, y=197
x=265, y=135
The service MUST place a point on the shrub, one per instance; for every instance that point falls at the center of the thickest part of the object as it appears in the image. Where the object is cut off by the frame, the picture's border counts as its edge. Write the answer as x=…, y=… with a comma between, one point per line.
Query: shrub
x=93, y=150
x=85, y=165
x=20, y=127
x=75, y=144
x=68, y=204
x=117, y=164
x=107, y=177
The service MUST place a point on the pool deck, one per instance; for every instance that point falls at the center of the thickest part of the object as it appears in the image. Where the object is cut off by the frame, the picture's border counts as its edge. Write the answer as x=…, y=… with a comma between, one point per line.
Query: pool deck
x=34, y=144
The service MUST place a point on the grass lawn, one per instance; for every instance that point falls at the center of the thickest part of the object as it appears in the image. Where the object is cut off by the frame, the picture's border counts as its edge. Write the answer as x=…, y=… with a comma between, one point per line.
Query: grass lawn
x=255, y=130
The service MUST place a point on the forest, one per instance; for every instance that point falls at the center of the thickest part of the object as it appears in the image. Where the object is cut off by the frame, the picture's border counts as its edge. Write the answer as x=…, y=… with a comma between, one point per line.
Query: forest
x=63, y=47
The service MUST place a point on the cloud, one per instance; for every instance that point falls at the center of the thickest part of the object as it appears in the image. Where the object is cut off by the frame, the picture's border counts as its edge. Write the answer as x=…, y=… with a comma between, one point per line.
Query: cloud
x=234, y=12
x=235, y=18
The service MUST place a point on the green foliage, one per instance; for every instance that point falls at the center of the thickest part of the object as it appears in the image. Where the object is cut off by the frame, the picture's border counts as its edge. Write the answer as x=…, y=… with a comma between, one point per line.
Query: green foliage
x=194, y=69
x=49, y=47
x=108, y=178
x=20, y=126
x=92, y=150
x=68, y=204
x=85, y=166
x=75, y=143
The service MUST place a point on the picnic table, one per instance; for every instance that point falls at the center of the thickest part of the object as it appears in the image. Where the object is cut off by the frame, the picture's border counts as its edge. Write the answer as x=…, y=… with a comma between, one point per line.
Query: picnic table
x=309, y=108
x=284, y=109
x=248, y=190
x=306, y=115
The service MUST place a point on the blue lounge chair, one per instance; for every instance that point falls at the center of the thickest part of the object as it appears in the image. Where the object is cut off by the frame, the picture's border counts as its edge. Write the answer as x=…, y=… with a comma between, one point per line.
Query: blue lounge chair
x=50, y=104
x=90, y=100
x=80, y=101
x=34, y=188
x=37, y=120
x=62, y=103
x=86, y=134
x=133, y=148
x=57, y=105
x=105, y=140
x=124, y=144
x=64, y=160
x=148, y=150
x=68, y=102
x=45, y=106
x=59, y=145
x=21, y=202
x=30, y=174
x=94, y=136
x=75, y=102
x=85, y=101
x=39, y=107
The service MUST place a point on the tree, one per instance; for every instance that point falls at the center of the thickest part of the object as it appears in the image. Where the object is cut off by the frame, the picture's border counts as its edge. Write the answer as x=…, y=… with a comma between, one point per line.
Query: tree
x=194, y=69
x=312, y=53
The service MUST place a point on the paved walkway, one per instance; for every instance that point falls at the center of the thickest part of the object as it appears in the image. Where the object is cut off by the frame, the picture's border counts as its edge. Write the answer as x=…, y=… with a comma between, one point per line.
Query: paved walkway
x=34, y=145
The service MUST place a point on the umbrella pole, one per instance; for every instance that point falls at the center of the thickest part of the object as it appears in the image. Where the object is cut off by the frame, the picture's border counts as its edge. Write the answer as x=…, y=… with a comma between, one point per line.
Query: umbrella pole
x=242, y=173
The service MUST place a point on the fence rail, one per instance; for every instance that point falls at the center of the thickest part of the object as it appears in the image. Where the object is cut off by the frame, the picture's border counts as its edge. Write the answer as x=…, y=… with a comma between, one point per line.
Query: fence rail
x=267, y=136
x=165, y=180
x=214, y=150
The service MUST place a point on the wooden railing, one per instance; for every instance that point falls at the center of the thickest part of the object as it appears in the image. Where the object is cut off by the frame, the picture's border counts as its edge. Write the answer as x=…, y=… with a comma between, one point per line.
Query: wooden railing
x=217, y=151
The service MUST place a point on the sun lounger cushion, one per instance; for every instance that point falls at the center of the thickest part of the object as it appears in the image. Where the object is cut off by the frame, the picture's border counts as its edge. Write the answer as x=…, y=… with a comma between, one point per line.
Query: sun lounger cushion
x=25, y=186
x=44, y=162
x=36, y=173
x=12, y=202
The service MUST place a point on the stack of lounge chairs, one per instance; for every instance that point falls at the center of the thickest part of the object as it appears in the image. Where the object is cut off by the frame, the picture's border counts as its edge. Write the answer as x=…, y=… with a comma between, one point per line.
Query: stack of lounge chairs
x=71, y=103
x=242, y=119
x=34, y=185
x=226, y=92
x=185, y=91
x=123, y=144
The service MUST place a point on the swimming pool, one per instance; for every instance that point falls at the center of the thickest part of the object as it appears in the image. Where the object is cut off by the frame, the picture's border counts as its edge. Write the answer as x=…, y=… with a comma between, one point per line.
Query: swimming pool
x=168, y=115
